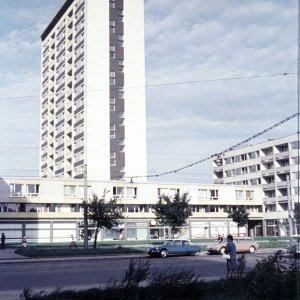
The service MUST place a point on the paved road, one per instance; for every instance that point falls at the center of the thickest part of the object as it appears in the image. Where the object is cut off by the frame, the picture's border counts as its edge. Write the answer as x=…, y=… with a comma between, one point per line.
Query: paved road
x=83, y=273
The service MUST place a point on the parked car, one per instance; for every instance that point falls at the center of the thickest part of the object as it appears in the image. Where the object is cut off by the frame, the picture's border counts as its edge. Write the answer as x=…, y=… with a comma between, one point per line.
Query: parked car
x=243, y=244
x=293, y=245
x=174, y=247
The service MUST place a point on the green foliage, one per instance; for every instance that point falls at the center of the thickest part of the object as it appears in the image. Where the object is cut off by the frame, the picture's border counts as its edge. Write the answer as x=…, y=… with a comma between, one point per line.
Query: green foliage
x=271, y=279
x=104, y=214
x=54, y=252
x=240, y=217
x=172, y=212
x=138, y=271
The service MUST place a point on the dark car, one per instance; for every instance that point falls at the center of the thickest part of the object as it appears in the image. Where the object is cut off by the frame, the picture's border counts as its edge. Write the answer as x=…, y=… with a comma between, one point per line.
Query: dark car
x=174, y=247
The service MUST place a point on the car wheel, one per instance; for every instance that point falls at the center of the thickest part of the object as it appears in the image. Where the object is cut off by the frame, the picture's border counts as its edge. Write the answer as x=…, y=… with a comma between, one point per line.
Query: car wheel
x=163, y=253
x=252, y=249
x=196, y=253
x=222, y=250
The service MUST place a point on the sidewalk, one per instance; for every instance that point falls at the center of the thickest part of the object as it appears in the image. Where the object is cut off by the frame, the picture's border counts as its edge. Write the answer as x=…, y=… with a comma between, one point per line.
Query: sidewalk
x=9, y=253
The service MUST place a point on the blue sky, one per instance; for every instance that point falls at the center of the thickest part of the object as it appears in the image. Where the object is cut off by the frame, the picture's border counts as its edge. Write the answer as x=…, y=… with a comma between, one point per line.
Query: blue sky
x=186, y=41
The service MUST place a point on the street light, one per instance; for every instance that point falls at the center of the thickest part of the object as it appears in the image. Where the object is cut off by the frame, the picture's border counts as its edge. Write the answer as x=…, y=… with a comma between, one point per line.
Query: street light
x=85, y=219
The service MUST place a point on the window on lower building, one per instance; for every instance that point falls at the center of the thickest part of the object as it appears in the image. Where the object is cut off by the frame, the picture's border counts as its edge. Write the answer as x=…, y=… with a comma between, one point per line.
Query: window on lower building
x=15, y=190
x=249, y=195
x=118, y=191
x=131, y=192
x=213, y=194
x=239, y=194
x=202, y=194
x=33, y=189
x=70, y=190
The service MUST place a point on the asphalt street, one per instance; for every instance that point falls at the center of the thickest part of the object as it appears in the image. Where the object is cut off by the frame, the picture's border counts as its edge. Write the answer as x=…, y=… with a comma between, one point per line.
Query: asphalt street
x=80, y=273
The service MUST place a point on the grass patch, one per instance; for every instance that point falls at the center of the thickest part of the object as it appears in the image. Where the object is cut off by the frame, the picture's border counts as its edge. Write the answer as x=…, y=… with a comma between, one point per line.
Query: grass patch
x=35, y=252
x=113, y=247
x=272, y=244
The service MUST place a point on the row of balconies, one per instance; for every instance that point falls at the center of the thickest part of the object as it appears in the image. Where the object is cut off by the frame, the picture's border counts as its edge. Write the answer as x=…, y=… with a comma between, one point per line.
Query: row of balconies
x=265, y=155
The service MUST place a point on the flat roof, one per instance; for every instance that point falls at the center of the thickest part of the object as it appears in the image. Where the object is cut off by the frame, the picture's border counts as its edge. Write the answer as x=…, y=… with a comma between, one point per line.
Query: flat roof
x=57, y=17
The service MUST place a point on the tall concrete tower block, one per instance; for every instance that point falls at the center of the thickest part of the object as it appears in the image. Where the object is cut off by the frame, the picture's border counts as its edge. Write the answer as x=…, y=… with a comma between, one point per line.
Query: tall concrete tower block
x=93, y=106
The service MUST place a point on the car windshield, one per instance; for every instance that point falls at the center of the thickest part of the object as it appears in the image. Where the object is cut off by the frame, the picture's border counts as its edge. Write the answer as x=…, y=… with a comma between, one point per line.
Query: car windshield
x=169, y=242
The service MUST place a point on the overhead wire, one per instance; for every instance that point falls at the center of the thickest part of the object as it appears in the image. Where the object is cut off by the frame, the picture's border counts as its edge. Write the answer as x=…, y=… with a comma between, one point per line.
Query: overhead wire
x=204, y=159
x=167, y=84
x=155, y=85
x=219, y=153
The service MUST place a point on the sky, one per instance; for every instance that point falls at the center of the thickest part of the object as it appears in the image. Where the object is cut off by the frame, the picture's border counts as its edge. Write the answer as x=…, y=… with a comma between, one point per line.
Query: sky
x=214, y=77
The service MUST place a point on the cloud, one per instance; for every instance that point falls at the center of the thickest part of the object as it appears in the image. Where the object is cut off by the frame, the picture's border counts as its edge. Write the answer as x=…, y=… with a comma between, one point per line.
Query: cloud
x=202, y=40
x=186, y=40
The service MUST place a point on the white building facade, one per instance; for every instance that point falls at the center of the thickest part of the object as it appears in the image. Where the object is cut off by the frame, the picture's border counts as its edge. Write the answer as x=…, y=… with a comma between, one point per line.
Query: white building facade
x=49, y=210
x=93, y=109
x=274, y=166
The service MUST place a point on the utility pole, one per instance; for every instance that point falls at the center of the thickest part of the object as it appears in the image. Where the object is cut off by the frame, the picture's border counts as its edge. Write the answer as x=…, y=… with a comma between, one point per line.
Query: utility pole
x=85, y=221
x=290, y=208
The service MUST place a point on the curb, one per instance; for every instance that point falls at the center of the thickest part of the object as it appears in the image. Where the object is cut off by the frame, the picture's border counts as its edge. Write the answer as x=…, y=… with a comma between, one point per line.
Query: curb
x=22, y=259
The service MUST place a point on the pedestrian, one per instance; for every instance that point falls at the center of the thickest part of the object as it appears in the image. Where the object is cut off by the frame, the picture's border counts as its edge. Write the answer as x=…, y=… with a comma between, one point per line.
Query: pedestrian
x=219, y=239
x=24, y=241
x=230, y=249
x=2, y=240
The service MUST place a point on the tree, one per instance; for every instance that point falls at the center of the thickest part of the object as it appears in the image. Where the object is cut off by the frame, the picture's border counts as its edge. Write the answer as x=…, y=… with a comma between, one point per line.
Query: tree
x=240, y=217
x=103, y=214
x=172, y=212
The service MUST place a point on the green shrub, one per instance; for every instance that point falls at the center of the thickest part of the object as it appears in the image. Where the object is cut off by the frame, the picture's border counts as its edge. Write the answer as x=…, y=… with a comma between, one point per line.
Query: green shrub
x=272, y=278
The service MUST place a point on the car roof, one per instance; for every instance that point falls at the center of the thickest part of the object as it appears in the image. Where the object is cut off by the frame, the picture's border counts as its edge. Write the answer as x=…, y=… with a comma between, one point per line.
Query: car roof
x=171, y=240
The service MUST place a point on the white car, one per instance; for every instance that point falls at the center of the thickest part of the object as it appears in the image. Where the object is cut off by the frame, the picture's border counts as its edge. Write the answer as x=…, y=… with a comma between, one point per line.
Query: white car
x=243, y=244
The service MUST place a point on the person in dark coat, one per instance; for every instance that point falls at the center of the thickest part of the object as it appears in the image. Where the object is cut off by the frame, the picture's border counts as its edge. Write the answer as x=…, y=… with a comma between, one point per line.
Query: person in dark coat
x=2, y=240
x=230, y=249
x=219, y=239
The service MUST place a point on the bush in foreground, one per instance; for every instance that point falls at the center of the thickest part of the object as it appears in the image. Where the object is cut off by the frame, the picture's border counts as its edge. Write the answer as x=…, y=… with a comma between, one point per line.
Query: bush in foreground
x=272, y=278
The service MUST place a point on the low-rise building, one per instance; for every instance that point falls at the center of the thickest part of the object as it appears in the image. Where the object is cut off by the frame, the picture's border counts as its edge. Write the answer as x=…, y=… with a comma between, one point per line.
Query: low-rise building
x=49, y=210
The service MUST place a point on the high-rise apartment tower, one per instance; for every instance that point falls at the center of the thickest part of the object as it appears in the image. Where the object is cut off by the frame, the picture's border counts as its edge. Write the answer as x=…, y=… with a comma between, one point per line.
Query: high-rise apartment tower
x=93, y=109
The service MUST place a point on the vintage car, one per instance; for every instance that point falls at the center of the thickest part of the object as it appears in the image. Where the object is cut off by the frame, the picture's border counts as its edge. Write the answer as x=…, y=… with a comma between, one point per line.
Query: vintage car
x=243, y=244
x=174, y=247
x=294, y=245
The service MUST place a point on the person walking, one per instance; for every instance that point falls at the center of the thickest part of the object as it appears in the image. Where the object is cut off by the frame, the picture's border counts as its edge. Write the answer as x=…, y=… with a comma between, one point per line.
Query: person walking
x=219, y=239
x=230, y=249
x=2, y=240
x=24, y=241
